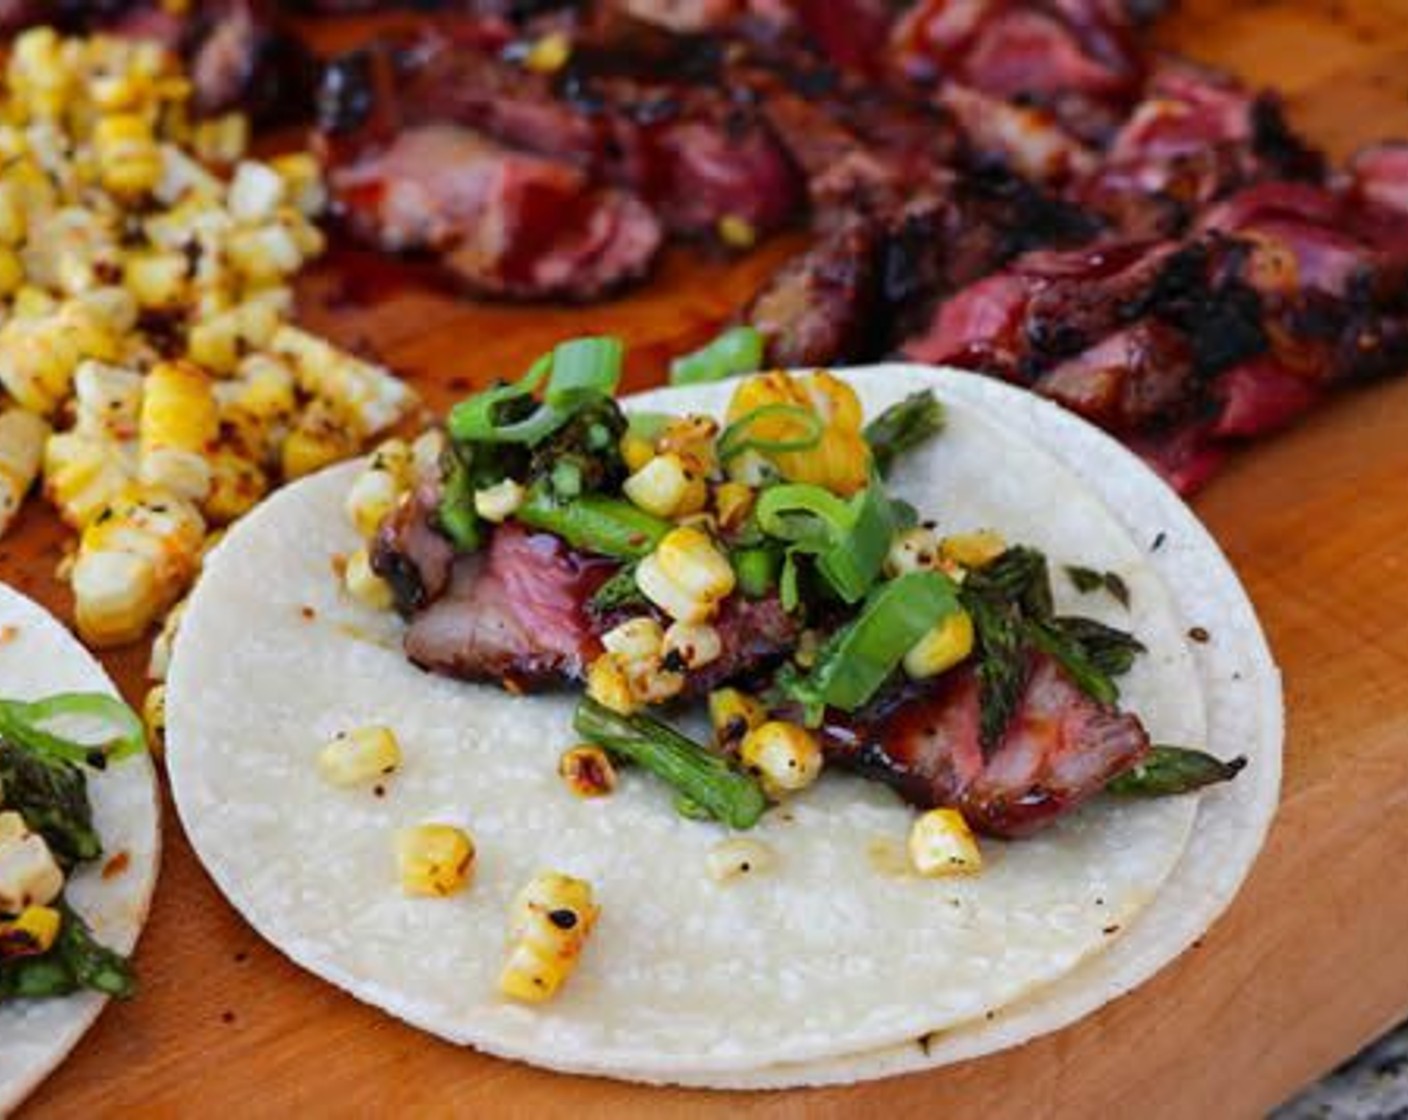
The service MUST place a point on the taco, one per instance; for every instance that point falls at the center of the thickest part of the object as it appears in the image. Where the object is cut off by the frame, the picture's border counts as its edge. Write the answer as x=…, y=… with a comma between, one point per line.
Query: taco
x=834, y=950
x=79, y=843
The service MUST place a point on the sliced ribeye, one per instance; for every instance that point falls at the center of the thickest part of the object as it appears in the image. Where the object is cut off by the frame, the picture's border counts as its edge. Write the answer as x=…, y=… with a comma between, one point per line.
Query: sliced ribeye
x=1059, y=749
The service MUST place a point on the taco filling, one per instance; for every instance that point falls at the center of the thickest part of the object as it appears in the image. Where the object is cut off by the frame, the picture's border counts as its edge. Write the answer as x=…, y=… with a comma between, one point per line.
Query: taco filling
x=544, y=540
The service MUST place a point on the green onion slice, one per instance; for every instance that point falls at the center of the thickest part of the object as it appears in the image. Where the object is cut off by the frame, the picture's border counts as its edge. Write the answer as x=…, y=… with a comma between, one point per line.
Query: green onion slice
x=849, y=538
x=735, y=439
x=28, y=723
x=735, y=351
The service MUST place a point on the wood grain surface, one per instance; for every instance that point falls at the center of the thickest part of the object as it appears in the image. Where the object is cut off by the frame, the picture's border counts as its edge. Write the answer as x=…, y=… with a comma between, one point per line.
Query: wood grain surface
x=1309, y=963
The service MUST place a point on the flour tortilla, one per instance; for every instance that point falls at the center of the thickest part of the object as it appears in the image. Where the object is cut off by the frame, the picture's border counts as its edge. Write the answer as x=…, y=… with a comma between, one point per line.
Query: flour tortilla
x=43, y=658
x=822, y=958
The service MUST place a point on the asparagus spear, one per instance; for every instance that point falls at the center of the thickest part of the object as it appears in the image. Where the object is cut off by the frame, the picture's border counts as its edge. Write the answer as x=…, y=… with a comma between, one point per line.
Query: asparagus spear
x=902, y=427
x=1173, y=770
x=709, y=781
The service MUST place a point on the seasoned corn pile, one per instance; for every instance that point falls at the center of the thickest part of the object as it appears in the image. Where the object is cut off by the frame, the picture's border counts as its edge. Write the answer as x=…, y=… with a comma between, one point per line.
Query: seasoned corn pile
x=149, y=371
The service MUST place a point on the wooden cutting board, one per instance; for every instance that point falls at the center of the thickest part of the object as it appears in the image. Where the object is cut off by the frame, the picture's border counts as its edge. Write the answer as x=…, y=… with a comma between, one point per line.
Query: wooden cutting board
x=1309, y=963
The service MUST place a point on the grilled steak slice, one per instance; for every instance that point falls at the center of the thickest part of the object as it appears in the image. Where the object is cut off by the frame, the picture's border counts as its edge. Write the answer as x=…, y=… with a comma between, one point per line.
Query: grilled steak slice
x=411, y=554
x=515, y=615
x=505, y=223
x=1059, y=749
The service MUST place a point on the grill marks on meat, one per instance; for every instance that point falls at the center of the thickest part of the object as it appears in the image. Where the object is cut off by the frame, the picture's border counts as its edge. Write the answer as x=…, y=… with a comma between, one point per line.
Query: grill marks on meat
x=1059, y=749
x=504, y=223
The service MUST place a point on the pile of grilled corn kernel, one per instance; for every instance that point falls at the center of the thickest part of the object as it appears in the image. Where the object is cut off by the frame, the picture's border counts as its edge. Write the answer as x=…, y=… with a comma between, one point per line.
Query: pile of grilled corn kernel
x=149, y=371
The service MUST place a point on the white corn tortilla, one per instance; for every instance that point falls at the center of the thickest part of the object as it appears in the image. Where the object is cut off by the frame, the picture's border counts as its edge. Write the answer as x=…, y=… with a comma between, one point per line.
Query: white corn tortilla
x=1245, y=715
x=43, y=658
x=823, y=958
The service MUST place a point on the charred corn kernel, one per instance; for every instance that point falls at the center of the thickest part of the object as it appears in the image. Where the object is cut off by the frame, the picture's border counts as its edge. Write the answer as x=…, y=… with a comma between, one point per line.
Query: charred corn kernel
x=733, y=714
x=636, y=451
x=691, y=645
x=587, y=771
x=107, y=401
x=154, y=718
x=237, y=485
x=654, y=682
x=635, y=640
x=733, y=502
x=914, y=550
x=160, y=660
x=666, y=487
x=39, y=78
x=499, y=502
x=549, y=923
x=11, y=272
x=158, y=279
x=31, y=933
x=128, y=159
x=179, y=424
x=364, y=585
x=214, y=342
x=83, y=474
x=693, y=439
x=357, y=757
x=378, y=486
x=134, y=560
x=840, y=461
x=29, y=874
x=785, y=757
x=699, y=576
x=256, y=192
x=37, y=360
x=317, y=439
x=303, y=182
x=731, y=860
x=265, y=254
x=22, y=436
x=221, y=140
x=434, y=860
x=548, y=54
x=363, y=393
x=609, y=685
x=13, y=213
x=941, y=843
x=941, y=648
x=737, y=232
x=973, y=550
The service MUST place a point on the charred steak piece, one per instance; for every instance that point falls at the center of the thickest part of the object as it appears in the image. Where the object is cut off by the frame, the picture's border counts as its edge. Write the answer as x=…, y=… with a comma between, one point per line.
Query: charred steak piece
x=411, y=554
x=505, y=223
x=1059, y=749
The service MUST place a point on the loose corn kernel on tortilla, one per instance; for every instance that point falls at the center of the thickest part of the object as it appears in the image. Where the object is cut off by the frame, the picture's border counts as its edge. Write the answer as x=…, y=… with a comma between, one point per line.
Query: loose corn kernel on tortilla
x=146, y=271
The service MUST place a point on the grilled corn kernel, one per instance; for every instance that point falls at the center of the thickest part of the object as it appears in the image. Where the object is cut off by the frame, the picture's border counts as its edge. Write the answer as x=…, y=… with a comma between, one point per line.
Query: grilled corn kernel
x=180, y=421
x=733, y=502
x=733, y=714
x=549, y=923
x=941, y=843
x=693, y=439
x=609, y=685
x=237, y=485
x=914, y=550
x=116, y=597
x=318, y=439
x=499, y=502
x=840, y=460
x=362, y=755
x=587, y=771
x=31, y=933
x=154, y=717
x=785, y=757
x=737, y=232
x=973, y=550
x=165, y=642
x=364, y=585
x=698, y=574
x=654, y=682
x=691, y=645
x=378, y=487
x=158, y=279
x=361, y=392
x=941, y=648
x=222, y=140
x=736, y=859
x=82, y=475
x=666, y=487
x=256, y=192
x=434, y=860
x=37, y=358
x=29, y=874
x=11, y=272
x=128, y=158
x=303, y=182
x=107, y=401
x=263, y=255
x=637, y=640
x=636, y=451
x=22, y=436
x=549, y=54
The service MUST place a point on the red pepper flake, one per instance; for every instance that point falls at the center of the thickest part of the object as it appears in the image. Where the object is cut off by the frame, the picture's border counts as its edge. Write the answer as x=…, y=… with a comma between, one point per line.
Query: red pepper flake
x=308, y=613
x=339, y=565
x=1110, y=931
x=379, y=791
x=1199, y=635
x=8, y=634
x=117, y=865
